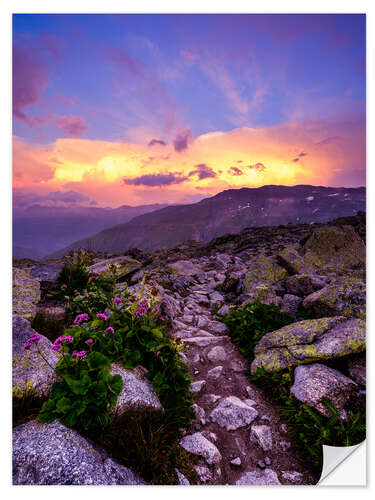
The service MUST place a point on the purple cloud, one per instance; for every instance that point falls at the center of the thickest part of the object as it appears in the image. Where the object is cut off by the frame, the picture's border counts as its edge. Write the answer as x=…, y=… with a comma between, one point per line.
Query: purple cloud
x=235, y=171
x=158, y=142
x=156, y=180
x=203, y=171
x=258, y=166
x=295, y=160
x=74, y=126
x=328, y=140
x=302, y=154
x=23, y=199
x=182, y=140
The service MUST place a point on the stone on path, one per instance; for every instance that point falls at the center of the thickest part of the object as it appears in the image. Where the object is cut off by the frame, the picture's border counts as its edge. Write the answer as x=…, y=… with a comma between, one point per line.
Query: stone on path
x=262, y=435
x=232, y=413
x=199, y=445
x=266, y=477
x=217, y=354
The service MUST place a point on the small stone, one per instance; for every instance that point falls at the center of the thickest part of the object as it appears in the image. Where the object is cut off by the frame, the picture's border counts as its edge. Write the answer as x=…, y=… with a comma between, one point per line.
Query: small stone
x=292, y=476
x=213, y=398
x=217, y=354
x=284, y=445
x=196, y=358
x=202, y=321
x=182, y=479
x=232, y=413
x=197, y=386
x=250, y=402
x=283, y=428
x=224, y=310
x=203, y=473
x=259, y=478
x=261, y=464
x=267, y=460
x=199, y=445
x=236, y=461
x=199, y=413
x=215, y=373
x=217, y=326
x=262, y=435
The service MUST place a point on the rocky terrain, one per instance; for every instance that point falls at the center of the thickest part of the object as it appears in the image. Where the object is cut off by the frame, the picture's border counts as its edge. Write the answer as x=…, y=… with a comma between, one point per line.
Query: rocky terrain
x=238, y=436
x=229, y=211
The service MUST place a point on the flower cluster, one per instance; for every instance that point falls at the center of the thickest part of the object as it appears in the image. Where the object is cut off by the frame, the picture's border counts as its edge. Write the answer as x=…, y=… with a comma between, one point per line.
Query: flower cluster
x=34, y=339
x=110, y=329
x=80, y=354
x=117, y=300
x=81, y=318
x=63, y=339
x=142, y=308
x=102, y=316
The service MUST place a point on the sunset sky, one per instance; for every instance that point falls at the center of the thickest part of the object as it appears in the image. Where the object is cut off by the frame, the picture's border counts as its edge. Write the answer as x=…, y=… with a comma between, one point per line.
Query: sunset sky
x=136, y=109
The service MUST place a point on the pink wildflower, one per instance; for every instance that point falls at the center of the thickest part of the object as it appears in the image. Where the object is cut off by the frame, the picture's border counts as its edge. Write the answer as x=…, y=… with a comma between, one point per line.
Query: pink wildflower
x=117, y=300
x=102, y=316
x=110, y=329
x=89, y=341
x=81, y=318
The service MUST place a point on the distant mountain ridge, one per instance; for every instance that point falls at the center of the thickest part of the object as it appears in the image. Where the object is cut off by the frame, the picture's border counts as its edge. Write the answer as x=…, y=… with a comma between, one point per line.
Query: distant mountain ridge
x=227, y=212
x=48, y=229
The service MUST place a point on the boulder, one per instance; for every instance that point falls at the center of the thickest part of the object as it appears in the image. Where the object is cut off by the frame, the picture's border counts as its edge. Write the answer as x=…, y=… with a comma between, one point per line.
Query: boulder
x=315, y=382
x=263, y=271
x=303, y=284
x=309, y=341
x=136, y=390
x=124, y=265
x=199, y=445
x=291, y=260
x=217, y=354
x=26, y=294
x=47, y=272
x=292, y=476
x=345, y=297
x=185, y=268
x=29, y=370
x=170, y=307
x=290, y=304
x=357, y=368
x=266, y=477
x=232, y=413
x=52, y=454
x=334, y=248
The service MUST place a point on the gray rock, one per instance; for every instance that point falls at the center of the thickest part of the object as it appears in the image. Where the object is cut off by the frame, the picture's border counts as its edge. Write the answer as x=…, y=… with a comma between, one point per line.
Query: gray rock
x=204, y=341
x=197, y=386
x=52, y=454
x=238, y=366
x=204, y=473
x=267, y=477
x=232, y=413
x=292, y=476
x=123, y=264
x=25, y=294
x=308, y=341
x=262, y=435
x=303, y=284
x=213, y=398
x=170, y=307
x=215, y=373
x=357, y=369
x=217, y=326
x=200, y=414
x=224, y=310
x=290, y=304
x=182, y=479
x=47, y=272
x=202, y=321
x=236, y=461
x=187, y=318
x=136, y=391
x=284, y=445
x=217, y=354
x=314, y=382
x=267, y=460
x=29, y=370
x=185, y=268
x=216, y=297
x=199, y=445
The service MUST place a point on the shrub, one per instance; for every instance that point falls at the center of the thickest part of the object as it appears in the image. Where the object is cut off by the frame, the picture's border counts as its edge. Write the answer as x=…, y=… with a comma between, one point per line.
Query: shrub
x=249, y=323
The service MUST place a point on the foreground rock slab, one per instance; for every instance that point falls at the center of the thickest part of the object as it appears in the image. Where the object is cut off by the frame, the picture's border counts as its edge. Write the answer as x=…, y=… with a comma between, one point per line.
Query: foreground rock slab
x=52, y=454
x=316, y=382
x=26, y=294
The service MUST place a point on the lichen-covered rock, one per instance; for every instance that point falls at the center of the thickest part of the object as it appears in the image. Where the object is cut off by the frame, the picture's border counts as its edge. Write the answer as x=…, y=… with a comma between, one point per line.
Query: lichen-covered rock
x=345, y=297
x=263, y=293
x=31, y=371
x=26, y=294
x=334, y=248
x=185, y=268
x=315, y=382
x=232, y=413
x=52, y=454
x=357, y=368
x=136, y=391
x=266, y=477
x=198, y=445
x=291, y=260
x=303, y=284
x=123, y=265
x=46, y=271
x=309, y=341
x=263, y=271
x=290, y=304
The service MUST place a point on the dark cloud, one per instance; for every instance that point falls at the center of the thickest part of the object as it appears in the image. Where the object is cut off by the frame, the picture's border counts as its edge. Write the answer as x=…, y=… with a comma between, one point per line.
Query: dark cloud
x=295, y=160
x=156, y=180
x=182, y=140
x=258, y=166
x=203, y=171
x=328, y=140
x=159, y=142
x=302, y=154
x=235, y=171
x=52, y=199
x=73, y=126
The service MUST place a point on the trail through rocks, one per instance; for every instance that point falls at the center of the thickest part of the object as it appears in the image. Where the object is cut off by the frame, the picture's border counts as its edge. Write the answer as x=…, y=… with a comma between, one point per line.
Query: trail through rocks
x=239, y=436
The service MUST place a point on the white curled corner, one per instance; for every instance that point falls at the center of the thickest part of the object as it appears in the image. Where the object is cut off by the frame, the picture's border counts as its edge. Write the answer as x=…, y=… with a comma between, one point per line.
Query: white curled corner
x=344, y=466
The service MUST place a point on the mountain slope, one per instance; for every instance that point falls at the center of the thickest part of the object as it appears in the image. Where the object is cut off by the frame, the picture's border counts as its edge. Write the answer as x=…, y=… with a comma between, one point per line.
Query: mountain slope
x=228, y=211
x=51, y=228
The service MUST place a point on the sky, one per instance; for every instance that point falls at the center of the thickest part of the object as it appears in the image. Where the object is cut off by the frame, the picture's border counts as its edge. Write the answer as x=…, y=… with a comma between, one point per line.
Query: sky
x=113, y=110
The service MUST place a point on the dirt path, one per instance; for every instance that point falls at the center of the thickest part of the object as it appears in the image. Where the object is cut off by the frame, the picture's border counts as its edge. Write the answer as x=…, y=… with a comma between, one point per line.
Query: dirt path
x=238, y=431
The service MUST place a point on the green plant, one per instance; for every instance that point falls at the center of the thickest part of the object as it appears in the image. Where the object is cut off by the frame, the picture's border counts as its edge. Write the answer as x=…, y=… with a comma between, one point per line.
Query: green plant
x=249, y=323
x=86, y=393
x=74, y=275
